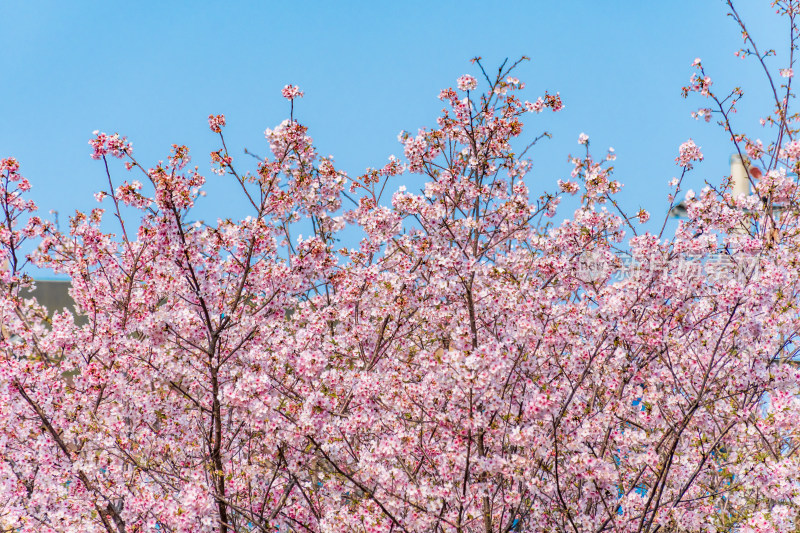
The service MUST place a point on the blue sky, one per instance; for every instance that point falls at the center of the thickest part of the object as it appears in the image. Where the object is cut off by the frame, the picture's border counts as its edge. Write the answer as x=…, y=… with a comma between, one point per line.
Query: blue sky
x=154, y=71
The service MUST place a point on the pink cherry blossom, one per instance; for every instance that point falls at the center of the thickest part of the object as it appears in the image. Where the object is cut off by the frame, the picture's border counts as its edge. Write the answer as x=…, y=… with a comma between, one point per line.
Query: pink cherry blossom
x=114, y=145
x=689, y=152
x=535, y=107
x=216, y=123
x=704, y=113
x=290, y=92
x=467, y=83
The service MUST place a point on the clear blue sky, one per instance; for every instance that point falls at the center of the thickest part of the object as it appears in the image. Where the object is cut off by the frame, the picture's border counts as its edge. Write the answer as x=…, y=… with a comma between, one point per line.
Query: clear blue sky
x=154, y=71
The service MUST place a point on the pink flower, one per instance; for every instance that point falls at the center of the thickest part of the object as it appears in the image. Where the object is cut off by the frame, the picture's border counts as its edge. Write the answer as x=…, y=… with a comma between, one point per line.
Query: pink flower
x=553, y=101
x=791, y=151
x=698, y=84
x=583, y=138
x=755, y=149
x=535, y=107
x=570, y=187
x=704, y=113
x=787, y=72
x=688, y=152
x=9, y=164
x=706, y=85
x=467, y=83
x=216, y=122
x=290, y=92
x=114, y=145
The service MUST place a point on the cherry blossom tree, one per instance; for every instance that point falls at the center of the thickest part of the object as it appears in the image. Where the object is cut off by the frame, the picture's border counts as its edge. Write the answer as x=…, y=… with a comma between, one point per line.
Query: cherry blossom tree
x=470, y=365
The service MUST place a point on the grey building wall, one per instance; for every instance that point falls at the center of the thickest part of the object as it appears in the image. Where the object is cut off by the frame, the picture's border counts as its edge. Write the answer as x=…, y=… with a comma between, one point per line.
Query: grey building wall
x=53, y=295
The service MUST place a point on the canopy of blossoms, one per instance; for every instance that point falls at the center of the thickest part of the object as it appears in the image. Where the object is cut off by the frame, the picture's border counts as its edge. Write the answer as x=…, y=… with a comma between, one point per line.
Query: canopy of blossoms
x=470, y=365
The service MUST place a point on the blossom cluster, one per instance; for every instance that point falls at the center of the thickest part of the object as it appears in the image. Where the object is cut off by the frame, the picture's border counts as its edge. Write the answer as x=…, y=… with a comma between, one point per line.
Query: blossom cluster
x=688, y=153
x=114, y=145
x=216, y=122
x=290, y=92
x=467, y=83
